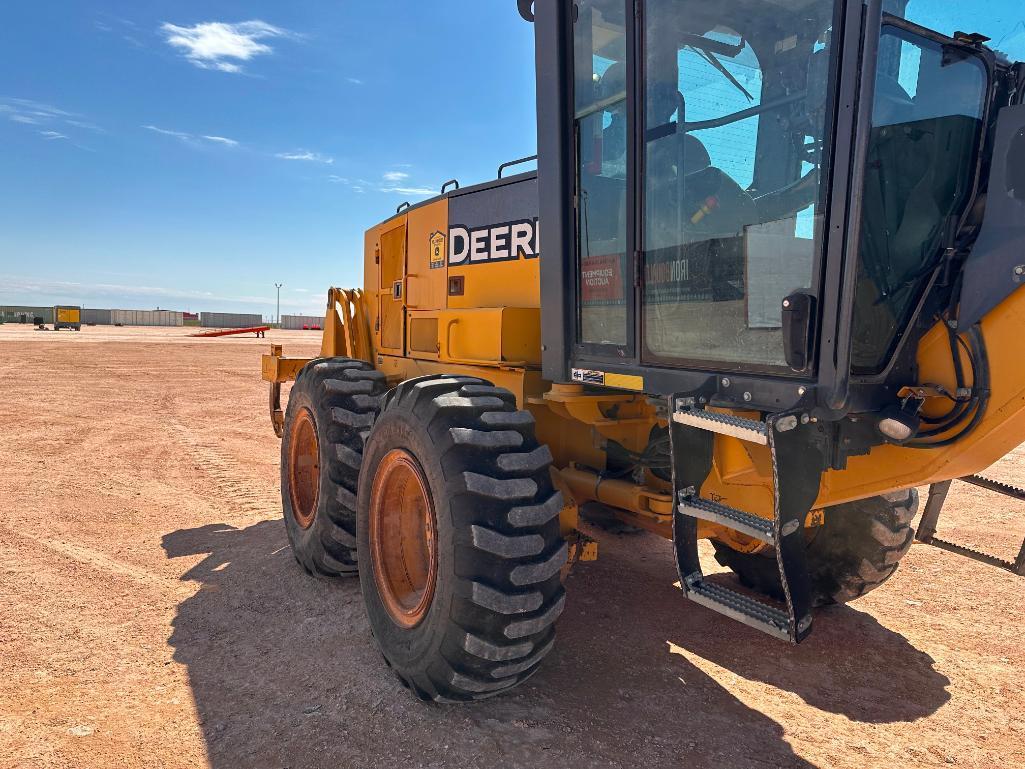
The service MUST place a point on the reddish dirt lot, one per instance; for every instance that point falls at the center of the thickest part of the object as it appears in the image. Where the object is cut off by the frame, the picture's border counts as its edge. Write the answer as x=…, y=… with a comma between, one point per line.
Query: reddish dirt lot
x=152, y=614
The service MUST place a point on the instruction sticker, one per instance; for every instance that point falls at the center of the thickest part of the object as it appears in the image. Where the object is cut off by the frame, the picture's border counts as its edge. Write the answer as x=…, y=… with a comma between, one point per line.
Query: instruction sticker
x=438, y=250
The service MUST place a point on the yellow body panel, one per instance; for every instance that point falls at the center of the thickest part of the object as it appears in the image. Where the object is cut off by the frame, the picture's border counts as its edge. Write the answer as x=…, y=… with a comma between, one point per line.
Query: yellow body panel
x=427, y=255
x=67, y=315
x=516, y=283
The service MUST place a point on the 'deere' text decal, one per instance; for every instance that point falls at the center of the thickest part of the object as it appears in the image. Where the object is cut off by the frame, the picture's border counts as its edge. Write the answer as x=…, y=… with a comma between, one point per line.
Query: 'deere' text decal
x=496, y=243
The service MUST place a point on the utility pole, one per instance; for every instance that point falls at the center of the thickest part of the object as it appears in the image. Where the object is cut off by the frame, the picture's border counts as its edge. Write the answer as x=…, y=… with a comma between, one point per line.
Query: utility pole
x=278, y=287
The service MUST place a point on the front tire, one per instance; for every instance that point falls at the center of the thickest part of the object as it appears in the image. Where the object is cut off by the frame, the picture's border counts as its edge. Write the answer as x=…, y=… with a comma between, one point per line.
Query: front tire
x=331, y=408
x=459, y=544
x=856, y=550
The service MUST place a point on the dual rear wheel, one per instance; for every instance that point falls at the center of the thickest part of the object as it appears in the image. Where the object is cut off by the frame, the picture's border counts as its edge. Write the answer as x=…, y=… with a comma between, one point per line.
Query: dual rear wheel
x=451, y=522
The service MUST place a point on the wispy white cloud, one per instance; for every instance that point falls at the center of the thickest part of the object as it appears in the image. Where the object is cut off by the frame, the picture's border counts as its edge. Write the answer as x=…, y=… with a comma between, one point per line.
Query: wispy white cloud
x=222, y=140
x=307, y=155
x=30, y=112
x=195, y=140
x=37, y=108
x=86, y=125
x=168, y=132
x=410, y=190
x=220, y=46
x=392, y=182
x=354, y=80
x=54, y=120
x=118, y=26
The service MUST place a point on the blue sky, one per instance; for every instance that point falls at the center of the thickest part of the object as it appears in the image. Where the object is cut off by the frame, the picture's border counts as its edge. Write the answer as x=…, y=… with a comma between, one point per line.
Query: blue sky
x=189, y=155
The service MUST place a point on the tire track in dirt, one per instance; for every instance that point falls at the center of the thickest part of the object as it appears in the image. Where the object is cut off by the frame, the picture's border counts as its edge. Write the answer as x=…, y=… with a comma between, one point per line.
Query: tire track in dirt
x=11, y=560
x=231, y=478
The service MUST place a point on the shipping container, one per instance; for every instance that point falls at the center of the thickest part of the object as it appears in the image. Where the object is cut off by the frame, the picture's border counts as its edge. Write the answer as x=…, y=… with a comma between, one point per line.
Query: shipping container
x=26, y=314
x=229, y=320
x=92, y=317
x=146, y=318
x=295, y=322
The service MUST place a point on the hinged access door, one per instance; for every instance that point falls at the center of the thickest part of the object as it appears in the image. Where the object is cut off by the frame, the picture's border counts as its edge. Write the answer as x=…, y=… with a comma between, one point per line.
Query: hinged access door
x=391, y=295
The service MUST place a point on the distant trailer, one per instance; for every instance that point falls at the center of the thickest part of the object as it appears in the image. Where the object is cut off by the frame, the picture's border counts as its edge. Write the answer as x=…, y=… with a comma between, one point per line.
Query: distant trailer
x=93, y=317
x=146, y=318
x=229, y=320
x=67, y=317
x=301, y=322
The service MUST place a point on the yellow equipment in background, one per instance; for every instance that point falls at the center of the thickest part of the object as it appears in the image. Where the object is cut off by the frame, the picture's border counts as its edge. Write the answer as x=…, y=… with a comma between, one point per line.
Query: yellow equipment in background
x=766, y=338
x=67, y=317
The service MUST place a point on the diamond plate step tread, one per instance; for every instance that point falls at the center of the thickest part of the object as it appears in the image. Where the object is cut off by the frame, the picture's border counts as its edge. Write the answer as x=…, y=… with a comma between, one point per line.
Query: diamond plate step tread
x=740, y=607
x=738, y=520
x=749, y=430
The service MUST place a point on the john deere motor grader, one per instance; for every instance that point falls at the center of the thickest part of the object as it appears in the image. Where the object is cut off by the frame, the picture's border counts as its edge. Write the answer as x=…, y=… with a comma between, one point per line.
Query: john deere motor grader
x=773, y=290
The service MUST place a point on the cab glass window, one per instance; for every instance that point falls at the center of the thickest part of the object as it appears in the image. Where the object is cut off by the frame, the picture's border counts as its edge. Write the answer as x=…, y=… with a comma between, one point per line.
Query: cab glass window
x=601, y=113
x=735, y=102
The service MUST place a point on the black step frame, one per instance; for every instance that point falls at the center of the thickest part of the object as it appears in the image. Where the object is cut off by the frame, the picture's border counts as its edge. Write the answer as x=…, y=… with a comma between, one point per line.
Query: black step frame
x=798, y=463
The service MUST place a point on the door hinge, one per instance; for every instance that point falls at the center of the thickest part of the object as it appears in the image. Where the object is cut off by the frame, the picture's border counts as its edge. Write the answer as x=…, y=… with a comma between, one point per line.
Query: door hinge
x=638, y=259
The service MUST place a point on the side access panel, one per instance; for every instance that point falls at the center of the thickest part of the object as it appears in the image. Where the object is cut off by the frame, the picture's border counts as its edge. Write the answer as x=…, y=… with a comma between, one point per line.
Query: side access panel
x=426, y=277
x=389, y=250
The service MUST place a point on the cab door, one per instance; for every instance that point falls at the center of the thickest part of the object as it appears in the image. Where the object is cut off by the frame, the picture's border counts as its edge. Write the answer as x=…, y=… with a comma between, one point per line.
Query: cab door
x=391, y=295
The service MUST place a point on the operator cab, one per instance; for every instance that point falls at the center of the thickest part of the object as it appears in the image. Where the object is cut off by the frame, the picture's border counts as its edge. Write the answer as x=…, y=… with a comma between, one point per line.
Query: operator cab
x=756, y=199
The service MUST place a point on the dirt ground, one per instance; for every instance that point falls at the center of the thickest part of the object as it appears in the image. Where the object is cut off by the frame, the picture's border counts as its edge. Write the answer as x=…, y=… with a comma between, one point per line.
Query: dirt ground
x=151, y=614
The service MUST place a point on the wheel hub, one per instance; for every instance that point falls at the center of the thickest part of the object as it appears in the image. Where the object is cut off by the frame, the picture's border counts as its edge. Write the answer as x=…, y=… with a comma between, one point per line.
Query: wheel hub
x=403, y=538
x=304, y=469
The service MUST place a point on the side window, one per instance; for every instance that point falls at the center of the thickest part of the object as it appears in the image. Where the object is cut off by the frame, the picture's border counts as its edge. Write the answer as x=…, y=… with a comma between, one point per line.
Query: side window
x=735, y=107
x=602, y=151
x=926, y=123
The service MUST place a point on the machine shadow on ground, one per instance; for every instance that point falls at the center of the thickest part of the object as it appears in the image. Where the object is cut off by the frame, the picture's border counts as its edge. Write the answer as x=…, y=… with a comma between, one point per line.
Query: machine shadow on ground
x=284, y=672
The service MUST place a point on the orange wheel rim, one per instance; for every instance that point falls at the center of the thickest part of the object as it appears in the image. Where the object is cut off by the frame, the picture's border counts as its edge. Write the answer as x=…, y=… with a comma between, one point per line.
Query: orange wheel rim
x=304, y=469
x=403, y=538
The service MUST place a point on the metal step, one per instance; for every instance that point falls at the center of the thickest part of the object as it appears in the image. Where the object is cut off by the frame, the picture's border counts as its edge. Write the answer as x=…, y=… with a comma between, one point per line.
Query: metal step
x=738, y=520
x=738, y=606
x=978, y=555
x=750, y=430
x=926, y=532
x=1001, y=488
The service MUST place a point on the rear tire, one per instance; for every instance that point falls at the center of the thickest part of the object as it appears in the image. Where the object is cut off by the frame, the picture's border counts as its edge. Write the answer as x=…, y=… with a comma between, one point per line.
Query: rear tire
x=856, y=550
x=331, y=408
x=497, y=549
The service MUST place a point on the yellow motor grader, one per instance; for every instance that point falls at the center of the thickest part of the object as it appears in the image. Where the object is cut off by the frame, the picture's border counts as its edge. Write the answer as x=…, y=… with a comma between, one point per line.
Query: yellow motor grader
x=763, y=284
